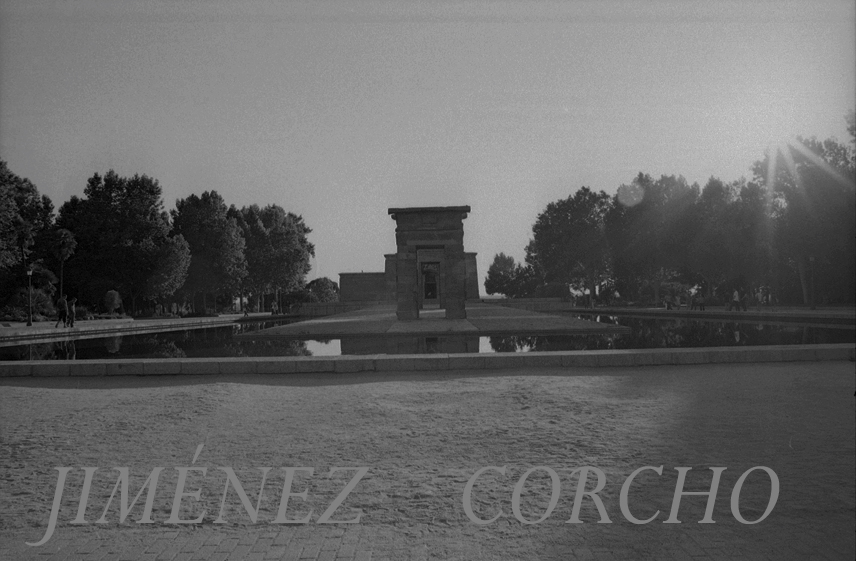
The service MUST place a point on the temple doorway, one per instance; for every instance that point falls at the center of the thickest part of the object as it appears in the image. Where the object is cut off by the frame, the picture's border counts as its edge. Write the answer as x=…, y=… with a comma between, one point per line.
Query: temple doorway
x=430, y=281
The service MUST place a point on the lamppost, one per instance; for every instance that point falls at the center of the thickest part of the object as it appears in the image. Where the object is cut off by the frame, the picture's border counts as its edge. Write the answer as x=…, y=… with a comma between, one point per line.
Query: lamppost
x=30, y=296
x=811, y=260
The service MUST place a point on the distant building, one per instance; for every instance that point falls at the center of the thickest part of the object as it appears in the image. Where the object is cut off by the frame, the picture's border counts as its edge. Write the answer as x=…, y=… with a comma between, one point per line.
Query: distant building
x=429, y=270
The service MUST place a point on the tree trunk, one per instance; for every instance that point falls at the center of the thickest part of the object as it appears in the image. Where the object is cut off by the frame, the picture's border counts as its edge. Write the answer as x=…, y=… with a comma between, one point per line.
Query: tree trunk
x=803, y=280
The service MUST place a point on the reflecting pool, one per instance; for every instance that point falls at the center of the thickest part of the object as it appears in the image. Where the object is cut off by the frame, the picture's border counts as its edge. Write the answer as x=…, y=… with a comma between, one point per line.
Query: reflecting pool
x=645, y=333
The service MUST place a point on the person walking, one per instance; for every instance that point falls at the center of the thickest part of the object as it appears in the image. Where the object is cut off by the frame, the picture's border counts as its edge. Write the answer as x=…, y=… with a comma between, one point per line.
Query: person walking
x=735, y=301
x=61, y=312
x=71, y=312
x=701, y=301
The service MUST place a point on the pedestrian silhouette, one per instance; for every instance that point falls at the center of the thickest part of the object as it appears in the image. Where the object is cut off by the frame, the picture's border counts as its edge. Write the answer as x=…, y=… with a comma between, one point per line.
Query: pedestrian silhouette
x=61, y=312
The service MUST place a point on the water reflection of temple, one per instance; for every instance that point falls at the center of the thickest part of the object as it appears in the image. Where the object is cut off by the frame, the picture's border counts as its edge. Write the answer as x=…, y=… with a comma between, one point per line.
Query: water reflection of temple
x=369, y=345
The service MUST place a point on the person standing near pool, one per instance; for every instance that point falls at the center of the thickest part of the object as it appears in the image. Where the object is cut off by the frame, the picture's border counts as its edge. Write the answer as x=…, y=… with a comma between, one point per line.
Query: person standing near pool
x=71, y=305
x=61, y=312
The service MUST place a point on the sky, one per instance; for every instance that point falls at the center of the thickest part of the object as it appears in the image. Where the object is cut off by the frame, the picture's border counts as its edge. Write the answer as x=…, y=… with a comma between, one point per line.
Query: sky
x=339, y=110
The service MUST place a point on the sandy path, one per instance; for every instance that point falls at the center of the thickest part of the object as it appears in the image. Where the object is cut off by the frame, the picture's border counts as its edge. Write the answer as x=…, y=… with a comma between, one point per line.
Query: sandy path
x=423, y=435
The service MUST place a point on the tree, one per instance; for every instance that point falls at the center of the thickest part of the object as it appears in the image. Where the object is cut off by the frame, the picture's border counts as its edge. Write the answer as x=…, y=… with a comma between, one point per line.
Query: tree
x=812, y=185
x=752, y=221
x=278, y=251
x=569, y=241
x=323, y=290
x=8, y=235
x=713, y=249
x=25, y=219
x=24, y=239
x=35, y=209
x=24, y=216
x=500, y=275
x=63, y=246
x=513, y=280
x=170, y=272
x=217, y=261
x=120, y=227
x=112, y=301
x=647, y=232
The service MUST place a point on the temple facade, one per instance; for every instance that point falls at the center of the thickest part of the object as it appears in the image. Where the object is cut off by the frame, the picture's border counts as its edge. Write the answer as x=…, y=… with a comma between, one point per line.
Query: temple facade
x=429, y=270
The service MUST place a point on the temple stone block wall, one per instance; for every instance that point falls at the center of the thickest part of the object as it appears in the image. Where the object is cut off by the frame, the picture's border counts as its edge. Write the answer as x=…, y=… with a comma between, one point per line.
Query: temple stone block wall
x=429, y=269
x=364, y=287
x=438, y=233
x=407, y=285
x=389, y=275
x=472, y=276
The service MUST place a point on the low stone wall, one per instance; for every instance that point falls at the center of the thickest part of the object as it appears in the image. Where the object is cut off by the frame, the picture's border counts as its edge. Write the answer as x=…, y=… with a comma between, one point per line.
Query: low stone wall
x=362, y=287
x=331, y=308
x=91, y=329
x=532, y=304
x=828, y=317
x=430, y=362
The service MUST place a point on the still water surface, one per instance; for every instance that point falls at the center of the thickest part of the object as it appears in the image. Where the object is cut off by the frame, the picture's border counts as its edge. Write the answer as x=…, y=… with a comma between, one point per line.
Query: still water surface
x=220, y=342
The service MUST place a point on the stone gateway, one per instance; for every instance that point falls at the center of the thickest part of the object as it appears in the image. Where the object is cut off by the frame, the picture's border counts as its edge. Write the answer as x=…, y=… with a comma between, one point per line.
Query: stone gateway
x=429, y=270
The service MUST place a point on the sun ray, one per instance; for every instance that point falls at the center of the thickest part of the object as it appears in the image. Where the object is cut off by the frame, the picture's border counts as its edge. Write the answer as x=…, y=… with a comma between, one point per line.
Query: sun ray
x=772, y=159
x=789, y=163
x=818, y=161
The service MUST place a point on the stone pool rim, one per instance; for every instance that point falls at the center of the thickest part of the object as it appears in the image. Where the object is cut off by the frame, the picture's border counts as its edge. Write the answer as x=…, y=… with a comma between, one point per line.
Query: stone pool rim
x=428, y=362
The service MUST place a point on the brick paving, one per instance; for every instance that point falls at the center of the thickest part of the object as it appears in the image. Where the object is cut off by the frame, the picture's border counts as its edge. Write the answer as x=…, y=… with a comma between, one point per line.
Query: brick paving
x=423, y=435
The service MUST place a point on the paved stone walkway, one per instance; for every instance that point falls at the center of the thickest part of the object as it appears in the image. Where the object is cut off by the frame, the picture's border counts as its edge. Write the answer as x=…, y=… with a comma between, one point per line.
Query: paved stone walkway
x=422, y=436
x=481, y=319
x=15, y=333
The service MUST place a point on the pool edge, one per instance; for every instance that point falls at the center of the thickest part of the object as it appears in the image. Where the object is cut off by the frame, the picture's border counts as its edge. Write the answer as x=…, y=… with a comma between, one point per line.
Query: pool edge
x=427, y=362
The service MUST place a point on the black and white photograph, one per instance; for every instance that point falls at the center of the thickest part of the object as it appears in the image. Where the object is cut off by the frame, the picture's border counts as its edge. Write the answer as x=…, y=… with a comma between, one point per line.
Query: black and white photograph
x=410, y=280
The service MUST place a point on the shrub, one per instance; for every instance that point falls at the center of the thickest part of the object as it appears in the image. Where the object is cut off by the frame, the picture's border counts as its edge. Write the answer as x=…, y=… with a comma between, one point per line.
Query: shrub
x=43, y=307
x=112, y=301
x=82, y=312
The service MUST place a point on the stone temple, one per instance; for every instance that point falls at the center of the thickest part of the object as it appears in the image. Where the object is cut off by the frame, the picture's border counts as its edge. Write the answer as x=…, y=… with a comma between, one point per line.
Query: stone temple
x=429, y=278
x=429, y=270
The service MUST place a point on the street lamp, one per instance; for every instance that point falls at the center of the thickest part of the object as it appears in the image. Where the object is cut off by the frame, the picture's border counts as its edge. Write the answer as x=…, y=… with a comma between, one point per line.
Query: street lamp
x=29, y=297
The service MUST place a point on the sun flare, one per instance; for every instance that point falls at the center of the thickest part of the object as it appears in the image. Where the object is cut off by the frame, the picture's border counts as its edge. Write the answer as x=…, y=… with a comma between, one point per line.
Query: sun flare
x=785, y=149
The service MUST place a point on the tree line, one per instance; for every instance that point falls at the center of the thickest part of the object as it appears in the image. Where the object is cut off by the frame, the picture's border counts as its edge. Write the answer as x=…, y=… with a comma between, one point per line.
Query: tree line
x=118, y=237
x=790, y=230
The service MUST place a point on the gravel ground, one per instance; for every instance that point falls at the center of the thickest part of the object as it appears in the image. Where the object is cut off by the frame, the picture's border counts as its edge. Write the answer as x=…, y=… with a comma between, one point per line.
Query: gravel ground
x=422, y=436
